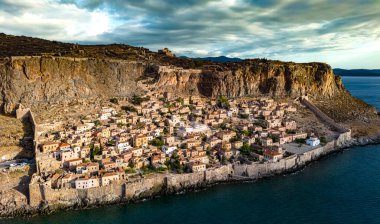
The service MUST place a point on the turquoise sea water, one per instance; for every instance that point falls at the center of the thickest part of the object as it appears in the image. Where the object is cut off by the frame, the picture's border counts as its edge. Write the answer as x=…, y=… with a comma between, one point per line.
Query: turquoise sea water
x=341, y=188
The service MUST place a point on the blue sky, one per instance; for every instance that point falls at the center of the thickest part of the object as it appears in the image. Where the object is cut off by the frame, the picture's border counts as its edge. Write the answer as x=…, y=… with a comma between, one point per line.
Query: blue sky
x=343, y=33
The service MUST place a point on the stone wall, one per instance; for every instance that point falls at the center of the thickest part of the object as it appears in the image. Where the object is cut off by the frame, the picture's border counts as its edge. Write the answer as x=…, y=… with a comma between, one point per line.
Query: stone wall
x=144, y=188
x=323, y=116
x=288, y=164
x=42, y=196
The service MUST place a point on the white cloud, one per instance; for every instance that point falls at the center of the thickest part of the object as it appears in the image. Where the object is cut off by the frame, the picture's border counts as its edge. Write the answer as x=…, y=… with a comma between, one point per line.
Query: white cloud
x=52, y=20
x=321, y=30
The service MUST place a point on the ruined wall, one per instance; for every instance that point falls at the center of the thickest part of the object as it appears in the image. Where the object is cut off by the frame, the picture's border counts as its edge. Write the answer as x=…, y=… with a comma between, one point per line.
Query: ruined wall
x=324, y=117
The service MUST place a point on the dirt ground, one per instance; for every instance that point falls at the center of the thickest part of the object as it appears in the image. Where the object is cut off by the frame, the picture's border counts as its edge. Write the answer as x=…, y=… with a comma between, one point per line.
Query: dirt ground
x=370, y=128
x=308, y=122
x=11, y=131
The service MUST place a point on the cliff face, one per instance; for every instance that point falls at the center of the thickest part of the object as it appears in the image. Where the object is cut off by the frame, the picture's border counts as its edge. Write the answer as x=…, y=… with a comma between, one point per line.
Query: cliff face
x=31, y=80
x=253, y=78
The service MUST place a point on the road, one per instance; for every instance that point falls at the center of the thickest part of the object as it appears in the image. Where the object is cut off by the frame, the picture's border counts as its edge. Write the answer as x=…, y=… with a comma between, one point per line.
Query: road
x=6, y=164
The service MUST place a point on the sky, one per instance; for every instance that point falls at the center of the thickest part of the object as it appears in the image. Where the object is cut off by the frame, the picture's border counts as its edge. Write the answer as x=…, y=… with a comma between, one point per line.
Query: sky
x=343, y=33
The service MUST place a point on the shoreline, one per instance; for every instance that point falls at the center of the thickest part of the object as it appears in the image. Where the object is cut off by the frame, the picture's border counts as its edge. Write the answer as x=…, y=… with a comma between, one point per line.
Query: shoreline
x=163, y=185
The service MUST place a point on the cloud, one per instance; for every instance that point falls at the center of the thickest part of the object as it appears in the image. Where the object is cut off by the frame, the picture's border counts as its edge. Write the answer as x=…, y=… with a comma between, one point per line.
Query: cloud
x=51, y=20
x=282, y=29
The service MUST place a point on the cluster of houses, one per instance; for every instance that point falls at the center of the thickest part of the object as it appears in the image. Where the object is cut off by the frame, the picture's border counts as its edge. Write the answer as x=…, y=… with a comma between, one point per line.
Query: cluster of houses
x=165, y=133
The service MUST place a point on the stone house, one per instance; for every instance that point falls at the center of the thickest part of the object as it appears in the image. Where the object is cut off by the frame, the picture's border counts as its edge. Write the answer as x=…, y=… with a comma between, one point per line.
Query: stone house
x=266, y=141
x=140, y=140
x=272, y=155
x=109, y=178
x=49, y=147
x=137, y=152
x=225, y=135
x=197, y=167
x=127, y=156
x=68, y=154
x=86, y=182
x=72, y=164
x=237, y=144
x=110, y=165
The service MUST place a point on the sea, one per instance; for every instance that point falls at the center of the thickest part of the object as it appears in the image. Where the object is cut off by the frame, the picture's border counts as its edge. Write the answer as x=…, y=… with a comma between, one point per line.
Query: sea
x=340, y=188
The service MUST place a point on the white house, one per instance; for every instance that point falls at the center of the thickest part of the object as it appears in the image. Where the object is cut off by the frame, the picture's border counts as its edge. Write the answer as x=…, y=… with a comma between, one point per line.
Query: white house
x=174, y=120
x=194, y=129
x=85, y=183
x=123, y=146
x=157, y=132
x=105, y=116
x=168, y=150
x=313, y=141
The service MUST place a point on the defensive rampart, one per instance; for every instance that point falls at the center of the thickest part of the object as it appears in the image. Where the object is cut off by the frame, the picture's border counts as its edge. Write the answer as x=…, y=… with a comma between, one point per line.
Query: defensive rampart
x=42, y=196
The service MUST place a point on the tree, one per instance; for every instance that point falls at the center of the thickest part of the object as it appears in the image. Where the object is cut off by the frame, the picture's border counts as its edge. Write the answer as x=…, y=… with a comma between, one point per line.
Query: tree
x=204, y=137
x=95, y=151
x=245, y=149
x=129, y=108
x=97, y=123
x=111, y=142
x=180, y=100
x=235, y=138
x=114, y=101
x=137, y=100
x=300, y=141
x=223, y=102
x=245, y=132
x=140, y=125
x=157, y=142
x=244, y=116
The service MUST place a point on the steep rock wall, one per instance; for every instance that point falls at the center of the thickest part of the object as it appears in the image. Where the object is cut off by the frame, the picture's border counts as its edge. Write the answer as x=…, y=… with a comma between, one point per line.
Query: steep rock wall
x=278, y=79
x=30, y=80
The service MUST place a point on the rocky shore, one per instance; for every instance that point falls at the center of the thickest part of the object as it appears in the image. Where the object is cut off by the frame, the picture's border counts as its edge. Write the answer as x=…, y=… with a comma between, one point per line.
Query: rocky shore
x=44, y=200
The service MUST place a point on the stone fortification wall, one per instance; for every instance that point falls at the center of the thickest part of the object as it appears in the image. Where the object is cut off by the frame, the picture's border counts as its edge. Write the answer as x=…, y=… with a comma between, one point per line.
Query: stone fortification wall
x=259, y=170
x=43, y=196
x=323, y=116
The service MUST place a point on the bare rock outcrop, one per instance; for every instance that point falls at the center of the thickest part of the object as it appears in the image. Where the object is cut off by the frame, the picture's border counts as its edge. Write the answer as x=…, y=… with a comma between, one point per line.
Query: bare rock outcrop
x=253, y=78
x=13, y=202
x=31, y=80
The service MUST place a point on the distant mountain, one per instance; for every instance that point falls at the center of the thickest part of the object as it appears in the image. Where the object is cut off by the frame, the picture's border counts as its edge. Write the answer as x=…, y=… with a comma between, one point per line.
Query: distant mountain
x=357, y=72
x=217, y=59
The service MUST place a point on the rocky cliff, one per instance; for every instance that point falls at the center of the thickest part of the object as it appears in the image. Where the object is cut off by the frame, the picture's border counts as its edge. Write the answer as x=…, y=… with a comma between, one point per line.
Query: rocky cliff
x=253, y=78
x=31, y=80
x=60, y=73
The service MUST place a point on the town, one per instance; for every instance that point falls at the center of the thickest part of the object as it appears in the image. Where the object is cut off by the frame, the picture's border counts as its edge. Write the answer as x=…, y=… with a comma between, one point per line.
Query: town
x=161, y=133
